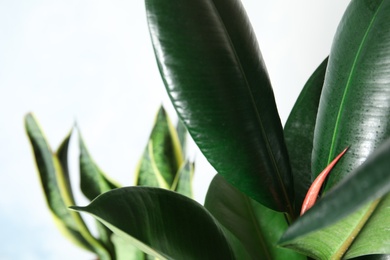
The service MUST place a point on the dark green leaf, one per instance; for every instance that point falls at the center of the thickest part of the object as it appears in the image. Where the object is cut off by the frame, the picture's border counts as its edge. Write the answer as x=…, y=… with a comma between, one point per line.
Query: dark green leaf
x=217, y=81
x=299, y=132
x=162, y=157
x=358, y=191
x=354, y=108
x=162, y=223
x=256, y=226
x=354, y=111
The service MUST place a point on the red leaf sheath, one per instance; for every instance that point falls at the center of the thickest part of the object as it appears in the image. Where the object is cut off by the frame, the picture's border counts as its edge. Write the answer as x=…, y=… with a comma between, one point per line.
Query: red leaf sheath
x=315, y=187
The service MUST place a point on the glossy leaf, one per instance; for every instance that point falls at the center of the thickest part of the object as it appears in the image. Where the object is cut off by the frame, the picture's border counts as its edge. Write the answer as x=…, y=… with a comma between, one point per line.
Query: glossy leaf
x=354, y=108
x=329, y=230
x=93, y=181
x=258, y=227
x=217, y=81
x=355, y=102
x=299, y=132
x=54, y=180
x=162, y=223
x=162, y=157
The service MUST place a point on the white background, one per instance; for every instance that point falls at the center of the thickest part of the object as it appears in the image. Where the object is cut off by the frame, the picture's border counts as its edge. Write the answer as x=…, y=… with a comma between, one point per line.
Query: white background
x=91, y=61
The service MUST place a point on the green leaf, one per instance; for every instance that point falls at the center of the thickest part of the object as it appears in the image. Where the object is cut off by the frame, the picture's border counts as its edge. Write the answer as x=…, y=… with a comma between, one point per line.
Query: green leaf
x=182, y=135
x=57, y=190
x=354, y=111
x=323, y=233
x=217, y=81
x=373, y=257
x=162, y=157
x=93, y=181
x=62, y=155
x=162, y=223
x=299, y=132
x=126, y=251
x=256, y=226
x=183, y=179
x=354, y=107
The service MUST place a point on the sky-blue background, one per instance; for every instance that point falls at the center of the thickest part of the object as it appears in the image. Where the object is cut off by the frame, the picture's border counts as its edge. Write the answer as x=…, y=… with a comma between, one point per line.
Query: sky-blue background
x=91, y=61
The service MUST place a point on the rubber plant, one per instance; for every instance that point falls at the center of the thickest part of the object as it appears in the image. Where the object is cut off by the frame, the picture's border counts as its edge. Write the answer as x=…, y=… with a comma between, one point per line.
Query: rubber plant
x=162, y=164
x=216, y=78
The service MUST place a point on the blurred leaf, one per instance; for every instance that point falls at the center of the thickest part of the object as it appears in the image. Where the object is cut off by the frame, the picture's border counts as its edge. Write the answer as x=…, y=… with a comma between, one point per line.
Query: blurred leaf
x=182, y=135
x=162, y=157
x=217, y=81
x=162, y=223
x=62, y=155
x=55, y=183
x=318, y=234
x=125, y=250
x=183, y=180
x=93, y=181
x=299, y=132
x=373, y=257
x=258, y=227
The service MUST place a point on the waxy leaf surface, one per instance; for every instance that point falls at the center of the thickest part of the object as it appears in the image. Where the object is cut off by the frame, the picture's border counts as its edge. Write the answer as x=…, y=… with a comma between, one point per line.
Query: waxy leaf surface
x=214, y=74
x=162, y=223
x=354, y=111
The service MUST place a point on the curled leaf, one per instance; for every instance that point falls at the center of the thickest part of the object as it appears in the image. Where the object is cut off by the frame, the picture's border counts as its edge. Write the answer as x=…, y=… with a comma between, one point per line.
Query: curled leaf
x=315, y=188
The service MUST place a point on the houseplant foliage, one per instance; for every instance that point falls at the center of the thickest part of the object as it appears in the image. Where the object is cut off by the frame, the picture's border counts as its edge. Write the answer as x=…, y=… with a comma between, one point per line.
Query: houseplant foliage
x=216, y=78
x=163, y=156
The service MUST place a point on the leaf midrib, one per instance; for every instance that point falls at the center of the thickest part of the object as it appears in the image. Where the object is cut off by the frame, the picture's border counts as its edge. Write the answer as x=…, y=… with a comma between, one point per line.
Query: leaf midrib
x=259, y=120
x=343, y=249
x=355, y=232
x=348, y=85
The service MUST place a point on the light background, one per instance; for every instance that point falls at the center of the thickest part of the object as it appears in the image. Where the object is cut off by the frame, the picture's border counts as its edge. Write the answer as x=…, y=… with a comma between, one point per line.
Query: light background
x=91, y=61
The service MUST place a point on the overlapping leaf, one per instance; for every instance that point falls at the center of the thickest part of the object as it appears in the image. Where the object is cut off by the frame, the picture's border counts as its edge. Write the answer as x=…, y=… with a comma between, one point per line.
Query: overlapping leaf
x=93, y=181
x=256, y=226
x=353, y=235
x=162, y=157
x=354, y=108
x=57, y=189
x=354, y=111
x=183, y=179
x=176, y=228
x=217, y=81
x=299, y=132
